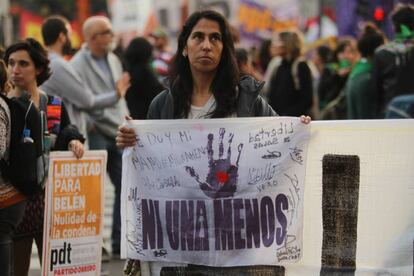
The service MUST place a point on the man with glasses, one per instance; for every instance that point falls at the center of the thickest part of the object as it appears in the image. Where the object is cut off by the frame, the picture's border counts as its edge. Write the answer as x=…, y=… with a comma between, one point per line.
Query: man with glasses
x=101, y=70
x=65, y=82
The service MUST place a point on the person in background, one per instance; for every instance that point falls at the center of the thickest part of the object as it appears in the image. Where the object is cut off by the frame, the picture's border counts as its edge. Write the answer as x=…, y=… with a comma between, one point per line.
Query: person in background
x=66, y=83
x=101, y=70
x=162, y=54
x=361, y=99
x=235, y=35
x=344, y=58
x=322, y=58
x=12, y=202
x=393, y=63
x=204, y=83
x=265, y=55
x=144, y=82
x=245, y=65
x=28, y=68
x=288, y=77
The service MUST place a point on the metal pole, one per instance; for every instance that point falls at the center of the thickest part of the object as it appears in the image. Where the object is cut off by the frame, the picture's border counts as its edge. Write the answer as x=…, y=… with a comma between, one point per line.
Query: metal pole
x=320, y=18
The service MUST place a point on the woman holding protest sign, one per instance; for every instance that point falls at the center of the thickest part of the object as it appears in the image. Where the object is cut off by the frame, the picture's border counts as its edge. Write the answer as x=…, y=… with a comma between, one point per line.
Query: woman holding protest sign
x=204, y=82
x=27, y=63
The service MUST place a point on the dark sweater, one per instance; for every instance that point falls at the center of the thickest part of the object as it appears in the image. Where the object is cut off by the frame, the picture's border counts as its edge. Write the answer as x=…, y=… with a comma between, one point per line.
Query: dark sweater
x=144, y=87
x=284, y=98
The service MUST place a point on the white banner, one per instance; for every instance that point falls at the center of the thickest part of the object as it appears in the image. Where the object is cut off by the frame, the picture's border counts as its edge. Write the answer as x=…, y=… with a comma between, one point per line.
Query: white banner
x=358, y=203
x=130, y=15
x=219, y=192
x=72, y=240
x=371, y=231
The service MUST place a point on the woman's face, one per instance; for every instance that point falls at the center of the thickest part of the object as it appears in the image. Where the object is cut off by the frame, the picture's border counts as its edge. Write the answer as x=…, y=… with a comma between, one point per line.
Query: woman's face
x=22, y=70
x=278, y=47
x=350, y=54
x=204, y=46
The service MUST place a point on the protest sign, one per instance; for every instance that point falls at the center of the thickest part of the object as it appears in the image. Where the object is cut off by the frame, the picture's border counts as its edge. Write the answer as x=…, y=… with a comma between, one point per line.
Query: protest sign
x=359, y=207
x=72, y=238
x=217, y=192
x=358, y=204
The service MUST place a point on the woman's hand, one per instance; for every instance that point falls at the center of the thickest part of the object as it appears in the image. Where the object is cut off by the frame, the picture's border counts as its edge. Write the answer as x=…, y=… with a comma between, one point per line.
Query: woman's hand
x=305, y=119
x=77, y=148
x=126, y=136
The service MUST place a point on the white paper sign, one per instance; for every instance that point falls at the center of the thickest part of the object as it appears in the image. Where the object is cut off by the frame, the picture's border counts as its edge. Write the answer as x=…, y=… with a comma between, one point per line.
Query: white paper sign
x=219, y=192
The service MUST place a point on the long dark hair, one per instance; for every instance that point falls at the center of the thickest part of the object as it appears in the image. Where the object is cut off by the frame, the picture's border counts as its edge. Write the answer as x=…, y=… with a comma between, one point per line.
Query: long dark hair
x=225, y=81
x=144, y=82
x=370, y=39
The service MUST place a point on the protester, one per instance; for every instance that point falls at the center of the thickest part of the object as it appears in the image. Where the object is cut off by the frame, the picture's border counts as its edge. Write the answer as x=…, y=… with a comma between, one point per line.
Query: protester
x=393, y=63
x=144, y=82
x=65, y=82
x=288, y=77
x=331, y=89
x=322, y=58
x=344, y=57
x=244, y=62
x=204, y=82
x=265, y=55
x=162, y=54
x=361, y=99
x=12, y=202
x=28, y=68
x=100, y=69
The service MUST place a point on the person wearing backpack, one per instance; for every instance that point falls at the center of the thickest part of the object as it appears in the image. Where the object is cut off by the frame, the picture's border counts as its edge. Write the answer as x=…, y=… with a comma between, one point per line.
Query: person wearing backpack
x=12, y=202
x=288, y=78
x=393, y=63
x=28, y=63
x=361, y=103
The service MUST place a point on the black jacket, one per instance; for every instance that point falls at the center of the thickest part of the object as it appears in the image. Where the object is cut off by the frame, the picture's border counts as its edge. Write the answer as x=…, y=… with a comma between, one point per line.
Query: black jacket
x=249, y=102
x=284, y=97
x=393, y=67
x=144, y=87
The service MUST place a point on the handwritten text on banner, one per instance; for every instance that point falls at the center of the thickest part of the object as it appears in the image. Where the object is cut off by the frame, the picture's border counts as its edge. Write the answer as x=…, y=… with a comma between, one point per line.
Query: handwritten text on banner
x=218, y=192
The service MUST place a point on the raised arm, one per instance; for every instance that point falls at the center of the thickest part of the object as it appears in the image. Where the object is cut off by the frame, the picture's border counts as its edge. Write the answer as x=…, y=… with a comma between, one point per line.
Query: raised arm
x=64, y=82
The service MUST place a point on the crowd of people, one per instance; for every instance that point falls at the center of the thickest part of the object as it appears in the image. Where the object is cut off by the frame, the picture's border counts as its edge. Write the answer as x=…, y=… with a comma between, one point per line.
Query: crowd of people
x=80, y=104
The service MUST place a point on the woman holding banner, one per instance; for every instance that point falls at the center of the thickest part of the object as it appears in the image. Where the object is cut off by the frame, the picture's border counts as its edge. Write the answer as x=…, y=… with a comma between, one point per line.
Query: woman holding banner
x=204, y=82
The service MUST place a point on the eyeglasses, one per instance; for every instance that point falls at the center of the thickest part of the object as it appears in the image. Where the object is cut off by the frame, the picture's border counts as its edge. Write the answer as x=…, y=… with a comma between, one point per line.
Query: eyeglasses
x=105, y=32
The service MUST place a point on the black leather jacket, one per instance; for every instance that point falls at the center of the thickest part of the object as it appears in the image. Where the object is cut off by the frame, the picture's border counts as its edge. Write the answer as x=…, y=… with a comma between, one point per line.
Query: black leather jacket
x=249, y=102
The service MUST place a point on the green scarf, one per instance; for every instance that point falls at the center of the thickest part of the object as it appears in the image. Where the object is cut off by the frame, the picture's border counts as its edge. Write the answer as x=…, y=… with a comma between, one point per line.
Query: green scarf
x=362, y=66
x=405, y=34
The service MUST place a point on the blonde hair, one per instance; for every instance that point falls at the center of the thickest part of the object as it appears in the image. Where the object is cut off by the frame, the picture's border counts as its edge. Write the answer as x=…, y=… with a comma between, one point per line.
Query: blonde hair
x=293, y=43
